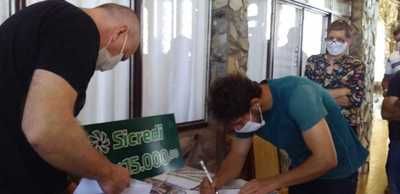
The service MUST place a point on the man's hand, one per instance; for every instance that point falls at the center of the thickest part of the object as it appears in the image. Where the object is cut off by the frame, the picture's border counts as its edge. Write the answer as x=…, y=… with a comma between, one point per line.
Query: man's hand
x=260, y=186
x=116, y=181
x=343, y=101
x=339, y=92
x=206, y=187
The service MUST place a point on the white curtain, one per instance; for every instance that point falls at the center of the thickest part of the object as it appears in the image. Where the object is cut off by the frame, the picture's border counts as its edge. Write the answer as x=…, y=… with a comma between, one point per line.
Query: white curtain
x=107, y=96
x=175, y=48
x=259, y=23
x=4, y=11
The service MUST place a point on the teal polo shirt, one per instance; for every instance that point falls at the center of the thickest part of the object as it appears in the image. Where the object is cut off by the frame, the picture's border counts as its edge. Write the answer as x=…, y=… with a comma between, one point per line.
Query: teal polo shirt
x=298, y=105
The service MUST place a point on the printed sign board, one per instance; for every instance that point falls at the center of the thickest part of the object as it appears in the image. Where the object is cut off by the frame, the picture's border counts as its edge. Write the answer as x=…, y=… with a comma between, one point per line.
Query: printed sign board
x=146, y=146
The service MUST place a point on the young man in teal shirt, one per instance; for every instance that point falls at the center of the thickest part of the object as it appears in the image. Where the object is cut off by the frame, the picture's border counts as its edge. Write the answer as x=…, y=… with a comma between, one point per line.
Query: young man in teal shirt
x=296, y=115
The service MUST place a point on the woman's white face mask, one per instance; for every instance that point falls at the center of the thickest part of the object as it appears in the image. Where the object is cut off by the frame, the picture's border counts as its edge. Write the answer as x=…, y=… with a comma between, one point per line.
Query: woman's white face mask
x=252, y=126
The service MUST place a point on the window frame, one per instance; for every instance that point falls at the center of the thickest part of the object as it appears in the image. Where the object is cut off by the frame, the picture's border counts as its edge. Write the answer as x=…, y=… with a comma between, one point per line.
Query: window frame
x=15, y=5
x=303, y=7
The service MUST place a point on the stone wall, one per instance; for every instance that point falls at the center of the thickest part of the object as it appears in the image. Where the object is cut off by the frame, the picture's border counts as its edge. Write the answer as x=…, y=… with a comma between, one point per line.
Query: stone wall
x=200, y=144
x=229, y=42
x=229, y=52
x=364, y=19
x=389, y=14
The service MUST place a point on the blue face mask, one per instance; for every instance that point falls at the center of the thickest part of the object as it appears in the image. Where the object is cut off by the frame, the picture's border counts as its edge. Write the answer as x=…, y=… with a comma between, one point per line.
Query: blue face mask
x=336, y=48
x=252, y=126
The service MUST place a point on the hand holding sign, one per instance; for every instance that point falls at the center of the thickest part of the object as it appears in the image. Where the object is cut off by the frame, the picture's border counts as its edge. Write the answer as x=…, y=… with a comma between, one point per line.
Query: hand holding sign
x=116, y=181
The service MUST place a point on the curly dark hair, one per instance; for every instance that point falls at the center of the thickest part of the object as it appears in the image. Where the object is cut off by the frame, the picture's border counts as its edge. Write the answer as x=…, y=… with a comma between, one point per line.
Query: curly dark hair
x=230, y=97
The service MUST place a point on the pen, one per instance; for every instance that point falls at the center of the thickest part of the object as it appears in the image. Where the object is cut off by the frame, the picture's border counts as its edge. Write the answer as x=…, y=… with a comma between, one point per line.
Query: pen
x=207, y=173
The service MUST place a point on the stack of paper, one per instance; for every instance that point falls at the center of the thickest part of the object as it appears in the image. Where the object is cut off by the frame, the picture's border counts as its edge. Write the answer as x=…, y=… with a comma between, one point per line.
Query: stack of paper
x=87, y=186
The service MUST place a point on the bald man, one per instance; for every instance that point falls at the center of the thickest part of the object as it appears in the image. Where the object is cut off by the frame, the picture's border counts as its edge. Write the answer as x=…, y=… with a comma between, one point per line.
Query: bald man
x=48, y=53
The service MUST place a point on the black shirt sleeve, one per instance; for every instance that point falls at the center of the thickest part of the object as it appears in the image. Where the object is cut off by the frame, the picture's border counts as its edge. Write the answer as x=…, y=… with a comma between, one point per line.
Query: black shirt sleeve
x=68, y=47
x=394, y=86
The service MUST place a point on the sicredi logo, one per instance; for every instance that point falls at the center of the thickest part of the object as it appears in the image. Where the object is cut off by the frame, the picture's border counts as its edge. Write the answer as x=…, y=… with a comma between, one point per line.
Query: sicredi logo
x=146, y=146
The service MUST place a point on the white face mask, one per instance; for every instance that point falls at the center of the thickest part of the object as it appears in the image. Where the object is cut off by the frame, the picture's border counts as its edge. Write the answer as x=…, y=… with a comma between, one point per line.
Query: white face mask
x=105, y=61
x=252, y=126
x=398, y=46
x=336, y=48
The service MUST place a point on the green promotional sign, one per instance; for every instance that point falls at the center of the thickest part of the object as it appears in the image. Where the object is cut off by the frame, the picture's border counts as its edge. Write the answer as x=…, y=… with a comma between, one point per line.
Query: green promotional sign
x=146, y=146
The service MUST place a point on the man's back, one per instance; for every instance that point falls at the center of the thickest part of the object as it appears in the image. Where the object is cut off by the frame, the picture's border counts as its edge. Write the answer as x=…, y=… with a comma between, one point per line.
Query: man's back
x=55, y=36
x=298, y=104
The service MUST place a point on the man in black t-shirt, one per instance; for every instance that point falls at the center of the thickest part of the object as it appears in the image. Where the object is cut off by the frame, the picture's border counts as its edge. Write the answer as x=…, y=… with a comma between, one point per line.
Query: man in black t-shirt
x=48, y=53
x=391, y=112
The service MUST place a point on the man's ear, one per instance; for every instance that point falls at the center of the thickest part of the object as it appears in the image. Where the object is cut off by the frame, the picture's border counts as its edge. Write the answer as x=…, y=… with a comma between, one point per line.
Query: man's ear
x=122, y=30
x=119, y=32
x=255, y=101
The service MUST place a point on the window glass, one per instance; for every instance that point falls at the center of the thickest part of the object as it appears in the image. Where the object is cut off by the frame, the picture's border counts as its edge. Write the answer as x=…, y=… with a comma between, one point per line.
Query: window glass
x=314, y=32
x=259, y=23
x=287, y=49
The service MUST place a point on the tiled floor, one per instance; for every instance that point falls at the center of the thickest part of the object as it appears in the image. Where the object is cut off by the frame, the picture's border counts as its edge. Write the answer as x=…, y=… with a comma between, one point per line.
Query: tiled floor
x=375, y=181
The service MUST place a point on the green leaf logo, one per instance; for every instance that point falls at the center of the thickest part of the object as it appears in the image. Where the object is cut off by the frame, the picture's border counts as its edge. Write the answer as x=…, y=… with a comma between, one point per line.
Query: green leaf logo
x=100, y=141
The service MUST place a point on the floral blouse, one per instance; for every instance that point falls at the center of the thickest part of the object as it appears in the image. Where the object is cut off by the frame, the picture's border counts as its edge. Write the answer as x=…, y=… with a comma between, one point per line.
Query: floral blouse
x=347, y=72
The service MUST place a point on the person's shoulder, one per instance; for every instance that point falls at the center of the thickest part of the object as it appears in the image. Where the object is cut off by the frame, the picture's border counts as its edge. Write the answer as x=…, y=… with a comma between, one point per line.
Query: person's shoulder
x=300, y=90
x=53, y=4
x=287, y=79
x=293, y=84
x=64, y=16
x=314, y=58
x=56, y=9
x=297, y=79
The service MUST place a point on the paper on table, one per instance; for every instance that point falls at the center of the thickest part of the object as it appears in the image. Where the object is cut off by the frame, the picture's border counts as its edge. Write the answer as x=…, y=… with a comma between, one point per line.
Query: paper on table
x=188, y=178
x=221, y=191
x=87, y=186
x=178, y=181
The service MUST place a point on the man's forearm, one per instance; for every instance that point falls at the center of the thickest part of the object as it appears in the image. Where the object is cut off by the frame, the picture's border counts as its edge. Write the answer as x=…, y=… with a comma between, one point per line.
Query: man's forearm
x=394, y=115
x=336, y=93
x=311, y=169
x=67, y=147
x=230, y=169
